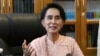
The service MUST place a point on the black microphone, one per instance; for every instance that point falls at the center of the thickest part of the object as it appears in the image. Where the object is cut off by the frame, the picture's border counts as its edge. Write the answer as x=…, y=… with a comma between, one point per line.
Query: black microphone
x=69, y=54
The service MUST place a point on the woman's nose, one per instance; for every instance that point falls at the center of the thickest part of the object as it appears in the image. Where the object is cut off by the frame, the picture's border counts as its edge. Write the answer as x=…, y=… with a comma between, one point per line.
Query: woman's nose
x=53, y=20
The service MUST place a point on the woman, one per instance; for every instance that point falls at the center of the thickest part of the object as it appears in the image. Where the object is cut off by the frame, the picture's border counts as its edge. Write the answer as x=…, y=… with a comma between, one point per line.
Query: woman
x=52, y=43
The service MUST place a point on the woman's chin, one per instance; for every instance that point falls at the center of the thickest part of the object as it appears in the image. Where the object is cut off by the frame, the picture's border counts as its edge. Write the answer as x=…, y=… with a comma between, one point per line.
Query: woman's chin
x=53, y=32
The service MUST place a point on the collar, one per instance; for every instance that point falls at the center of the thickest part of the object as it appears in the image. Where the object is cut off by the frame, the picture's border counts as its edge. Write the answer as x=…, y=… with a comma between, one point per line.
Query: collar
x=62, y=40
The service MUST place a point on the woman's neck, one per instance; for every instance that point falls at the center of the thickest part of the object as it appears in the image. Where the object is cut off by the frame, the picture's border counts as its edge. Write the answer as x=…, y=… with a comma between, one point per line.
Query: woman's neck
x=53, y=37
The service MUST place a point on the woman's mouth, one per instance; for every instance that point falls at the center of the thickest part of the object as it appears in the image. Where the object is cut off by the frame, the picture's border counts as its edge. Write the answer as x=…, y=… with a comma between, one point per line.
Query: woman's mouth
x=53, y=27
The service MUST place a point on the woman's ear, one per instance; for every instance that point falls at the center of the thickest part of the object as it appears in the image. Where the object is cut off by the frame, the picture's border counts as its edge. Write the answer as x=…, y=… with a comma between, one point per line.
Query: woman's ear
x=42, y=22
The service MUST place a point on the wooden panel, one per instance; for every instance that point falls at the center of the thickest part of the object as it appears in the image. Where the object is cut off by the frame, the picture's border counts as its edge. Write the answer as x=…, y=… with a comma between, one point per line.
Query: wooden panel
x=9, y=6
x=38, y=4
x=70, y=22
x=91, y=55
x=45, y=2
x=78, y=22
x=93, y=21
x=3, y=6
x=83, y=27
x=87, y=51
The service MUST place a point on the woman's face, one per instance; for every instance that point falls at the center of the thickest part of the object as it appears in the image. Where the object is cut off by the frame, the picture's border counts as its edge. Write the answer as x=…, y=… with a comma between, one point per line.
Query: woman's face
x=52, y=21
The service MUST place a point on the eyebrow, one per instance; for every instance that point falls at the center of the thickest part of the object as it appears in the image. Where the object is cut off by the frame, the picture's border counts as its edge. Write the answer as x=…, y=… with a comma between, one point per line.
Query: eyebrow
x=49, y=16
x=58, y=16
x=55, y=16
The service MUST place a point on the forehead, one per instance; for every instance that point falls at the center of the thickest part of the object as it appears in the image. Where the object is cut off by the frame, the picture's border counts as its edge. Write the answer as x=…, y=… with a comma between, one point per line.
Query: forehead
x=52, y=11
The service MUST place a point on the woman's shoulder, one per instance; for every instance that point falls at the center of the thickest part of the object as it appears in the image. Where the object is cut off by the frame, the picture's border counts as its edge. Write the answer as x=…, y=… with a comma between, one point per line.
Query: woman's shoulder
x=39, y=39
x=69, y=39
x=38, y=42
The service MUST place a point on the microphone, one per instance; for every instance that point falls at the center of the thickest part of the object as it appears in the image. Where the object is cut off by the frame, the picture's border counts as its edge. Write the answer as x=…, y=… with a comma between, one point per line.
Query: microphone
x=69, y=54
x=1, y=50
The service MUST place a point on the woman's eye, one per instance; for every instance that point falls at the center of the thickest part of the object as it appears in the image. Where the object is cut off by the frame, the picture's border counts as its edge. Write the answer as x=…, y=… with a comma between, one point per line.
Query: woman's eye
x=57, y=17
x=49, y=17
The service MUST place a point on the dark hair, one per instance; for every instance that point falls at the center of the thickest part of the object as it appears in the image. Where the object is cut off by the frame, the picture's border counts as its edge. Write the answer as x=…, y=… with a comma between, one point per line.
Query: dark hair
x=53, y=5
